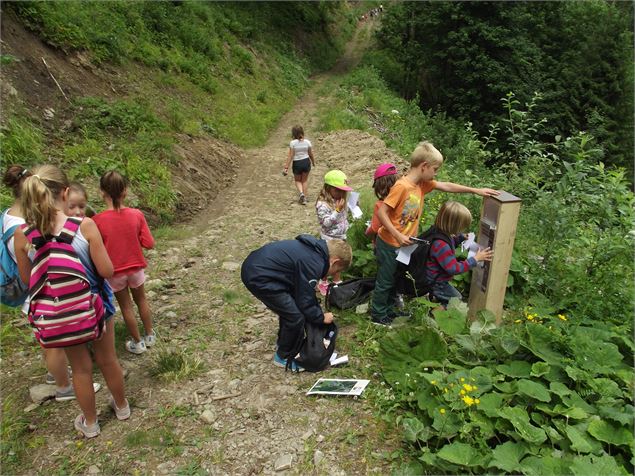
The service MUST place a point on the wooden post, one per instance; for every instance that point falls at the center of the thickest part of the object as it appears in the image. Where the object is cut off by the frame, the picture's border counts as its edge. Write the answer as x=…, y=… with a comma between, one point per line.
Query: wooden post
x=499, y=217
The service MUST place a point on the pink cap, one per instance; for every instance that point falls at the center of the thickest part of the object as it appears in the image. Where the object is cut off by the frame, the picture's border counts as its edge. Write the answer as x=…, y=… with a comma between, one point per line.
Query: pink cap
x=385, y=169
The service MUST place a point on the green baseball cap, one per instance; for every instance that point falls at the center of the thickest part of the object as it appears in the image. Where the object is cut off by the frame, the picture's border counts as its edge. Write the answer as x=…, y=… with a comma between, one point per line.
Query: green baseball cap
x=337, y=179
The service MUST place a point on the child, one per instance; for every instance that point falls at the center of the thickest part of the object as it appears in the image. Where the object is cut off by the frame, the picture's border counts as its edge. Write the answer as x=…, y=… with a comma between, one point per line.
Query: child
x=442, y=264
x=125, y=232
x=399, y=216
x=77, y=206
x=332, y=213
x=384, y=178
x=44, y=197
x=283, y=275
x=302, y=155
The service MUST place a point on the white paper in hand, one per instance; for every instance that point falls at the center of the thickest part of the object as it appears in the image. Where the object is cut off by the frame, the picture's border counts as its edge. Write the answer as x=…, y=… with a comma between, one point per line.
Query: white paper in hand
x=353, y=199
x=470, y=245
x=403, y=253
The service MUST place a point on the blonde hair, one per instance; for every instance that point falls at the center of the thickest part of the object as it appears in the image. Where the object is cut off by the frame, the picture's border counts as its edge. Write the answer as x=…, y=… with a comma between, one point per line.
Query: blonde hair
x=426, y=153
x=39, y=194
x=342, y=250
x=453, y=218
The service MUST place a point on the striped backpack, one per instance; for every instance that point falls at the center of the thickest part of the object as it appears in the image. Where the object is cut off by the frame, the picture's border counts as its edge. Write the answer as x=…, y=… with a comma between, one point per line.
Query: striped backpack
x=62, y=310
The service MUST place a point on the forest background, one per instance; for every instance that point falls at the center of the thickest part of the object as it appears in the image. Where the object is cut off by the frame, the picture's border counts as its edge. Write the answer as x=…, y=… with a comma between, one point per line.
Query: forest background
x=532, y=97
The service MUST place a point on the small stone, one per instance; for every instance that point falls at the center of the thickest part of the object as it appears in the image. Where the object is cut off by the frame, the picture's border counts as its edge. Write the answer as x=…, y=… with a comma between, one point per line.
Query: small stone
x=307, y=434
x=234, y=385
x=318, y=456
x=94, y=469
x=174, y=325
x=320, y=438
x=153, y=284
x=42, y=392
x=283, y=462
x=49, y=113
x=208, y=416
x=362, y=308
x=151, y=294
x=166, y=468
x=31, y=407
x=230, y=265
x=171, y=315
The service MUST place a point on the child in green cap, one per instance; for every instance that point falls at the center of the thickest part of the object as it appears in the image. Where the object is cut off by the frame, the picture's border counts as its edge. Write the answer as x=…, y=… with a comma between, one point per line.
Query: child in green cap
x=332, y=213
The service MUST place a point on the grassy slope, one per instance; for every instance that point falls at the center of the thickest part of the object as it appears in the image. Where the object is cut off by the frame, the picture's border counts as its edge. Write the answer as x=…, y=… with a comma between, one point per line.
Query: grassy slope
x=228, y=70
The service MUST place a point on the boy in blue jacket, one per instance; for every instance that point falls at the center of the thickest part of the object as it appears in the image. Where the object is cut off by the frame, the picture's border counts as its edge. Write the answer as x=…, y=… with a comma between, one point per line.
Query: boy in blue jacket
x=284, y=274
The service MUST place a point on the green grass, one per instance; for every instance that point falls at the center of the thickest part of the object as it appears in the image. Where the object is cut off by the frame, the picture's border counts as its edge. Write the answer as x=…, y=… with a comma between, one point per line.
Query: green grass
x=175, y=365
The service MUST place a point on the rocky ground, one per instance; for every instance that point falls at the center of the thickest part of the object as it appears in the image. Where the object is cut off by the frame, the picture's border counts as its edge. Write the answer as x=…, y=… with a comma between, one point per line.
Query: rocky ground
x=235, y=413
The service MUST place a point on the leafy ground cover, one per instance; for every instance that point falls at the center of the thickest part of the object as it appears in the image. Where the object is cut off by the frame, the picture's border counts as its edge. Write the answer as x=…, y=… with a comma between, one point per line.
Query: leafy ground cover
x=550, y=391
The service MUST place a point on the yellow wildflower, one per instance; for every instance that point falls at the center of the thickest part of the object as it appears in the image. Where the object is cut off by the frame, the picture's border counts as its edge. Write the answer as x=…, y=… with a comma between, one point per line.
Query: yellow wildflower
x=445, y=390
x=442, y=411
x=467, y=387
x=79, y=444
x=469, y=401
x=462, y=392
x=518, y=321
x=462, y=379
x=530, y=317
x=562, y=317
x=477, y=401
x=433, y=382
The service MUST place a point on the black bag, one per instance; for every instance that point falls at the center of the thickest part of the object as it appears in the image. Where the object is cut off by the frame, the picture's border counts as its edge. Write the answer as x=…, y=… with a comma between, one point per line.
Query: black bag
x=349, y=293
x=410, y=279
x=314, y=355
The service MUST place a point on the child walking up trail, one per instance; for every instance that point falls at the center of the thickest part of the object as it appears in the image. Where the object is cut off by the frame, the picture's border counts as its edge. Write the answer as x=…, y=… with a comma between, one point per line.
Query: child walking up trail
x=332, y=213
x=125, y=233
x=65, y=313
x=301, y=153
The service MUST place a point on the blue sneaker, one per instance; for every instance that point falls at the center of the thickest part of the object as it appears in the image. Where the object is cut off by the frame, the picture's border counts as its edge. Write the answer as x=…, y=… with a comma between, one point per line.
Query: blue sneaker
x=280, y=362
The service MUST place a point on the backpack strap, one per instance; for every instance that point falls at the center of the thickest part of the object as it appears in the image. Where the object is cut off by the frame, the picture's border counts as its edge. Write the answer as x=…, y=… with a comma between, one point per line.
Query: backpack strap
x=69, y=230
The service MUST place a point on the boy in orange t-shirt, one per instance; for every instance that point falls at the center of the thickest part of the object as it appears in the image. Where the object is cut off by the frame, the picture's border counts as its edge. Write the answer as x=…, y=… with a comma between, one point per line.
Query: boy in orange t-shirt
x=399, y=216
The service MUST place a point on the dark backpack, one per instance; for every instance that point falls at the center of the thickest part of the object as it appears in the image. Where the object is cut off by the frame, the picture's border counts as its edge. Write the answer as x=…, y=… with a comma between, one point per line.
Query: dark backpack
x=314, y=355
x=410, y=279
x=349, y=293
x=13, y=291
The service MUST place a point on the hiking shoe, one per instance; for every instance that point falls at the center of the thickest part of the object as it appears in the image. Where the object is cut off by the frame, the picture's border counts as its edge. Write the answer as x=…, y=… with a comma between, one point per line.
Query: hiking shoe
x=399, y=313
x=382, y=321
x=122, y=413
x=323, y=287
x=150, y=339
x=50, y=380
x=136, y=347
x=65, y=396
x=89, y=431
x=302, y=199
x=280, y=362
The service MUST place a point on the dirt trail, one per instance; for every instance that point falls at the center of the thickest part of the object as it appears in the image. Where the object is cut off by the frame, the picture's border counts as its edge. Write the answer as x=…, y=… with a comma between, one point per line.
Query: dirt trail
x=241, y=415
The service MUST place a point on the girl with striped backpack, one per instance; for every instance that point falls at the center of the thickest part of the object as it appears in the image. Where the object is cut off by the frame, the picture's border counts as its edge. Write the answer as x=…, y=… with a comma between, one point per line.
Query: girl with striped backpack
x=65, y=307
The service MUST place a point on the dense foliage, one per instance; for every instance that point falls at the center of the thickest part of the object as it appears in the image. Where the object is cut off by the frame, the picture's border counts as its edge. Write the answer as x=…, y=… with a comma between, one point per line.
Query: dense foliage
x=462, y=57
x=549, y=391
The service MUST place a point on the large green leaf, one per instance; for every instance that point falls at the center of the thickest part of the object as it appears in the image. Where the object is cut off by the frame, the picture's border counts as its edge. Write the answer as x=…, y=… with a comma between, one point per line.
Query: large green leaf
x=559, y=409
x=534, y=390
x=580, y=440
x=609, y=433
x=507, y=456
x=509, y=343
x=593, y=354
x=491, y=403
x=415, y=430
x=462, y=454
x=519, y=418
x=559, y=389
x=604, y=465
x=545, y=466
x=451, y=321
x=407, y=349
x=605, y=387
x=623, y=414
x=515, y=368
x=539, y=369
x=543, y=344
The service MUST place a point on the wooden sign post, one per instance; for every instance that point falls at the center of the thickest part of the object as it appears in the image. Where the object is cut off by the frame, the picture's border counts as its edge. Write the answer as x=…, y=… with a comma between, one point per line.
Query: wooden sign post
x=499, y=217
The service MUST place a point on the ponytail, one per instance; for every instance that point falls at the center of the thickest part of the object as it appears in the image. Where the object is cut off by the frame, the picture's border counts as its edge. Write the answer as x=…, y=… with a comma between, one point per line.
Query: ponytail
x=114, y=184
x=40, y=191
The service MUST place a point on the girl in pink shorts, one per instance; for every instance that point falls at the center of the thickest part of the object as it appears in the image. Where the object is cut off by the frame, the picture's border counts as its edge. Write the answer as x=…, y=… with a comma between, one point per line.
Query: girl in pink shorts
x=125, y=233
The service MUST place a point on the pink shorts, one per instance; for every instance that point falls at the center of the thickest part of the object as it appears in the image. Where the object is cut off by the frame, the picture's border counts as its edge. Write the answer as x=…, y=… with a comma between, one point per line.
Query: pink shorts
x=127, y=279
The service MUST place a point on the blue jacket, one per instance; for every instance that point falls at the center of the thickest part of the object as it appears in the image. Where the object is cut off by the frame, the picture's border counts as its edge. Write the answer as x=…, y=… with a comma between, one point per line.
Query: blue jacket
x=290, y=266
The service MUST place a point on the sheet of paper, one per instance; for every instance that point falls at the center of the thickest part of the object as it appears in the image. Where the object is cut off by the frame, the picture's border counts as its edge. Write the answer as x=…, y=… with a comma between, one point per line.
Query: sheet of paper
x=339, y=361
x=403, y=253
x=327, y=386
x=353, y=199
